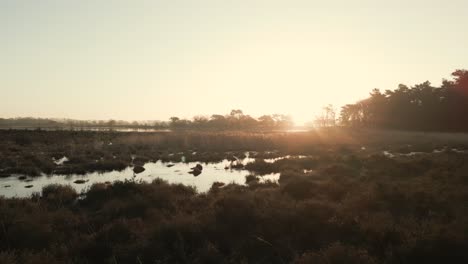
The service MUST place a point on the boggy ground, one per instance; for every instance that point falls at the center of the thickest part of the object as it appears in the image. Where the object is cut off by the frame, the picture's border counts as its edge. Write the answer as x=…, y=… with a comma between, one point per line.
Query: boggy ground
x=341, y=208
x=33, y=152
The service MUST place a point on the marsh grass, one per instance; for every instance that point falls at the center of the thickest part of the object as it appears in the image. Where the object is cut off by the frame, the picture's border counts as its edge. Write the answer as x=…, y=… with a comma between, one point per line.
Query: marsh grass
x=338, y=204
x=32, y=152
x=383, y=211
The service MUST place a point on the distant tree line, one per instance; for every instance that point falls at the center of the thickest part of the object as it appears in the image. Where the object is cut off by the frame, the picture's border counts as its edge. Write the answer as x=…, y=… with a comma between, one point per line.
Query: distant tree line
x=421, y=107
x=46, y=123
x=236, y=120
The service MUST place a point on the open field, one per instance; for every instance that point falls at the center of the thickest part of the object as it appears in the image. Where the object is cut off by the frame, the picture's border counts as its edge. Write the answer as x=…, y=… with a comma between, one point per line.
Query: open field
x=343, y=196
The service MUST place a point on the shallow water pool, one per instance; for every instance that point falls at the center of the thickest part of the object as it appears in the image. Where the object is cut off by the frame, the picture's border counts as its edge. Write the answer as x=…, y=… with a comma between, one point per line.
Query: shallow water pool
x=178, y=173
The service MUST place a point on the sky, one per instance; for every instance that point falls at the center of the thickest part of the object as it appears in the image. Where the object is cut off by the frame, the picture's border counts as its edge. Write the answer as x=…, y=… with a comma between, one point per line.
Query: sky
x=150, y=60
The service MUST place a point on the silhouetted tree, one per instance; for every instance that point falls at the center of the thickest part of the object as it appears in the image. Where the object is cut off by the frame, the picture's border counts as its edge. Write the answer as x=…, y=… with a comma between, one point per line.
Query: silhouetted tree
x=327, y=118
x=421, y=107
x=266, y=121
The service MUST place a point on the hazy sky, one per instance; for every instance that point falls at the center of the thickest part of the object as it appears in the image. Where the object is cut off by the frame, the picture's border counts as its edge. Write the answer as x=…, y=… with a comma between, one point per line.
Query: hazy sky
x=139, y=60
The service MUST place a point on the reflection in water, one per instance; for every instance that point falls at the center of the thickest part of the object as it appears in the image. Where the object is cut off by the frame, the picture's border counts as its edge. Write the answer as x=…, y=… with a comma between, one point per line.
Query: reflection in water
x=178, y=173
x=273, y=160
x=418, y=153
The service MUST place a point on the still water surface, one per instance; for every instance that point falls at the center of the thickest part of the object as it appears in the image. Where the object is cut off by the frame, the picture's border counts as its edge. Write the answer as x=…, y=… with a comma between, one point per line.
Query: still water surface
x=178, y=173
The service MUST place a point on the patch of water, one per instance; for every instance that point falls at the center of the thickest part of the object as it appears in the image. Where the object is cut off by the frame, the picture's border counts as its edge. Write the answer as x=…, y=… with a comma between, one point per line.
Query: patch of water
x=60, y=161
x=178, y=173
x=273, y=160
x=416, y=153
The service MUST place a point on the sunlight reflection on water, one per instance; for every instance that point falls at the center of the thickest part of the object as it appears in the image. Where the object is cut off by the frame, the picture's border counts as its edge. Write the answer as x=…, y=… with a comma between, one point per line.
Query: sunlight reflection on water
x=212, y=172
